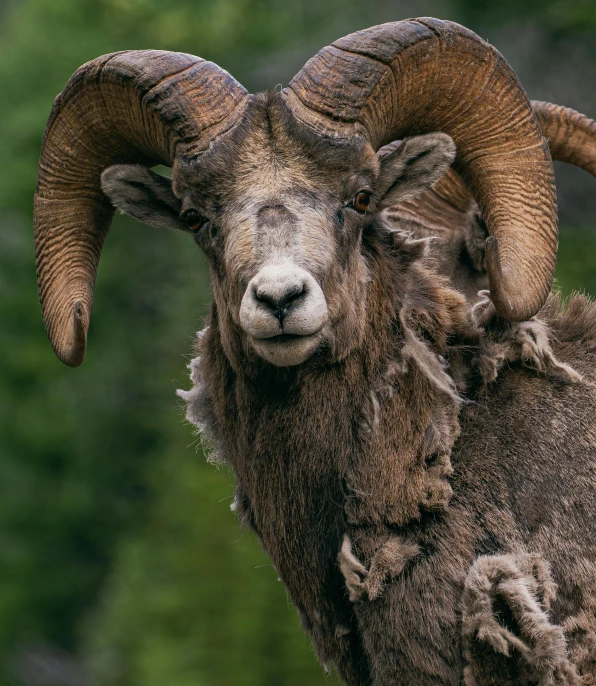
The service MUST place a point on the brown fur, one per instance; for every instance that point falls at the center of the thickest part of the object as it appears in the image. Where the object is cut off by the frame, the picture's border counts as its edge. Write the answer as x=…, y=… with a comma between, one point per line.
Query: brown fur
x=425, y=433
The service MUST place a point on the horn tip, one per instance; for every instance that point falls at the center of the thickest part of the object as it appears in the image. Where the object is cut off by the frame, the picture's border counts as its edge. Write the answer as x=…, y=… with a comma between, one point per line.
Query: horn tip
x=72, y=353
x=506, y=293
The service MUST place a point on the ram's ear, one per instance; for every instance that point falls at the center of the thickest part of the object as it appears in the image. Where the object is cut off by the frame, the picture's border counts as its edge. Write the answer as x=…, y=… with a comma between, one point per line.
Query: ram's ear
x=143, y=194
x=411, y=166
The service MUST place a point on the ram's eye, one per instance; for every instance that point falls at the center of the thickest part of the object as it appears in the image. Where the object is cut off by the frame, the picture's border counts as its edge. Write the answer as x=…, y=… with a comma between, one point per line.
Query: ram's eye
x=193, y=219
x=361, y=201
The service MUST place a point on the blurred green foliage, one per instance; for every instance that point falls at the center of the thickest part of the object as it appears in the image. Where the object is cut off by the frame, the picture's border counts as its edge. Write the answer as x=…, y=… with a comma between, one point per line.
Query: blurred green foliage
x=576, y=266
x=116, y=543
x=559, y=17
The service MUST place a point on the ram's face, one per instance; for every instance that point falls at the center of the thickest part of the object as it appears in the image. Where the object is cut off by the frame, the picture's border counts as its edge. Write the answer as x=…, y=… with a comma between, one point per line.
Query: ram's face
x=280, y=215
x=283, y=237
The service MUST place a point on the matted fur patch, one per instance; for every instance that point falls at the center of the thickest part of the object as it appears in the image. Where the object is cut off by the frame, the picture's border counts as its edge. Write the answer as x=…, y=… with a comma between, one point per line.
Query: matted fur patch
x=388, y=561
x=508, y=637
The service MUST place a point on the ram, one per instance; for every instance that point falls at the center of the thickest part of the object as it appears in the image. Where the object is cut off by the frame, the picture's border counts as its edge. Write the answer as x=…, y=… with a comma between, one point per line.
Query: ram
x=430, y=526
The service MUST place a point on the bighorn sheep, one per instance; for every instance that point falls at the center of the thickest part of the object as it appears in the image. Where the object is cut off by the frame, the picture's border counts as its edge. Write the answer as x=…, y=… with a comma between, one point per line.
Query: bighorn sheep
x=430, y=527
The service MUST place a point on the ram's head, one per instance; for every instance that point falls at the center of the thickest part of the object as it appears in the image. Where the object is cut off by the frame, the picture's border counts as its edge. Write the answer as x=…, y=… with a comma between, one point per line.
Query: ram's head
x=280, y=214
x=279, y=189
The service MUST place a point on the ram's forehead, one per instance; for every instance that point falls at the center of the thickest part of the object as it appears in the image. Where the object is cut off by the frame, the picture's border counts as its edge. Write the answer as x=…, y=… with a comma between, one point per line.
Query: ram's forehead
x=270, y=154
x=271, y=163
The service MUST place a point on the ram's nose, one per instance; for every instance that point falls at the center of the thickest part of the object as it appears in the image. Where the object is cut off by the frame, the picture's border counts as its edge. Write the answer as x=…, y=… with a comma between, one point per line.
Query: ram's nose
x=283, y=299
x=280, y=295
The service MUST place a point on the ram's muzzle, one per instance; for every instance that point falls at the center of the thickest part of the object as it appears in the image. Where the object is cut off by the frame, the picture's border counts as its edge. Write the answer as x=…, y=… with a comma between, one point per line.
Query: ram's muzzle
x=283, y=312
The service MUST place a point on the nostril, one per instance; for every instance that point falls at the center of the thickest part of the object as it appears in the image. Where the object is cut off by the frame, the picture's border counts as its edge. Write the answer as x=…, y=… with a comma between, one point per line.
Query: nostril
x=293, y=293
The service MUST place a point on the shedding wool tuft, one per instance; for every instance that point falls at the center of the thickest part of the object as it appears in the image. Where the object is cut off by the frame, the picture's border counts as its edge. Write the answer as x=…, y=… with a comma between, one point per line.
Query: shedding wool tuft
x=388, y=562
x=527, y=342
x=417, y=352
x=199, y=413
x=505, y=624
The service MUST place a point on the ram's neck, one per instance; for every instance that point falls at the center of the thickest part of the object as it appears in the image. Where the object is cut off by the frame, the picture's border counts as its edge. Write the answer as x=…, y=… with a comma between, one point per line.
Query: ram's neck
x=359, y=447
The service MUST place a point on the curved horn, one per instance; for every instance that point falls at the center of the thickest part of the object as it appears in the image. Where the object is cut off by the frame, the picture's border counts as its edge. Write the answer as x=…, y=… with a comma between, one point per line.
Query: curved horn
x=144, y=106
x=425, y=75
x=571, y=138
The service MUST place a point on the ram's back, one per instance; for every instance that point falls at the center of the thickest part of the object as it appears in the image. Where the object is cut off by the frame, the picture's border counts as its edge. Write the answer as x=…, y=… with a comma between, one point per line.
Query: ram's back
x=525, y=474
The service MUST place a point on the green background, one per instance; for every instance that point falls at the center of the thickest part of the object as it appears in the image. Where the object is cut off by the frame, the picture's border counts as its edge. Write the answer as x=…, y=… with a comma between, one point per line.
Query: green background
x=120, y=562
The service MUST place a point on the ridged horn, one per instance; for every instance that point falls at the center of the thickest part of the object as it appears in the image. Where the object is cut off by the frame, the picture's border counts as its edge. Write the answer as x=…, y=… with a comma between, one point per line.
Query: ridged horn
x=143, y=106
x=571, y=137
x=423, y=75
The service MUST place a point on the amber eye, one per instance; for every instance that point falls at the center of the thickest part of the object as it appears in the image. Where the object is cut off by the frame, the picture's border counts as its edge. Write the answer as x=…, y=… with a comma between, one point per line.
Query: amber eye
x=193, y=220
x=361, y=201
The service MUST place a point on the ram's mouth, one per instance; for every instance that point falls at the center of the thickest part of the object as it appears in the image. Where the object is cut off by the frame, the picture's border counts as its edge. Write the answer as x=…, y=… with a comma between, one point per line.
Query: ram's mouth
x=286, y=337
x=287, y=349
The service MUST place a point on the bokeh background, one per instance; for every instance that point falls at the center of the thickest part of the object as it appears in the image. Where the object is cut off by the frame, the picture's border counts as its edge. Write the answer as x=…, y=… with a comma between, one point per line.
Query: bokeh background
x=120, y=562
